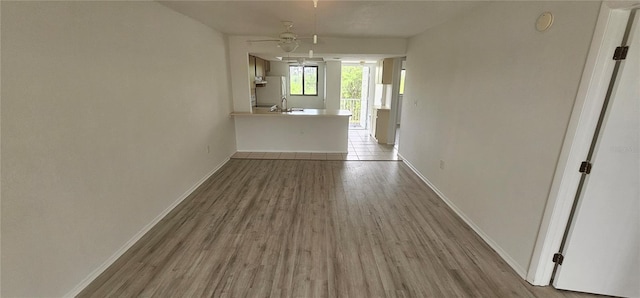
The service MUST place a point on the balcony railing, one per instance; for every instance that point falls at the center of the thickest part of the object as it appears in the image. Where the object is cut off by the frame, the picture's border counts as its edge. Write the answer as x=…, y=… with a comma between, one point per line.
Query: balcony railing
x=353, y=105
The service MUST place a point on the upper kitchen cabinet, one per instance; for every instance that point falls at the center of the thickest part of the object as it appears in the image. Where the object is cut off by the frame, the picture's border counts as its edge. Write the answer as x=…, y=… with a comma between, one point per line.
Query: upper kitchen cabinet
x=252, y=71
x=384, y=71
x=260, y=69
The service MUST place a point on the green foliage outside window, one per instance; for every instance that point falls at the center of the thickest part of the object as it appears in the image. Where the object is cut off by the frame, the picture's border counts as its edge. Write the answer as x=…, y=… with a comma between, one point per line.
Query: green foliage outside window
x=351, y=86
x=303, y=80
x=295, y=80
x=310, y=80
x=402, y=74
x=351, y=91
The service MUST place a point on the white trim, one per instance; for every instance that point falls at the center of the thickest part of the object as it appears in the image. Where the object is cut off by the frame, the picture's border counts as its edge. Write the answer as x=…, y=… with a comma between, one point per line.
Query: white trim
x=497, y=248
x=591, y=92
x=291, y=151
x=393, y=106
x=93, y=275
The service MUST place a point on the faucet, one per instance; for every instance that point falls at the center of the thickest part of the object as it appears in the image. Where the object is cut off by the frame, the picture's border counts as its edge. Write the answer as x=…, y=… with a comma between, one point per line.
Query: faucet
x=283, y=104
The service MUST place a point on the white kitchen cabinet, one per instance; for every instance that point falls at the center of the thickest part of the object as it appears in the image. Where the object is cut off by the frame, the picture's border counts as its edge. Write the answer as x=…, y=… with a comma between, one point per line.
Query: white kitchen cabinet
x=381, y=124
x=309, y=130
x=384, y=71
x=260, y=68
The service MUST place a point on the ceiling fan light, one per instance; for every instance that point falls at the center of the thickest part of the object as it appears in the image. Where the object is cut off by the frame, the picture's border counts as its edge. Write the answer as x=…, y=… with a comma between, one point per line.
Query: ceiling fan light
x=287, y=35
x=288, y=46
x=315, y=39
x=310, y=53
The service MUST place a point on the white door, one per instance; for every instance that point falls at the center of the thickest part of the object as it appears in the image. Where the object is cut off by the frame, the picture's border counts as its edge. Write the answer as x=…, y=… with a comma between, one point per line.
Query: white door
x=602, y=252
x=364, y=103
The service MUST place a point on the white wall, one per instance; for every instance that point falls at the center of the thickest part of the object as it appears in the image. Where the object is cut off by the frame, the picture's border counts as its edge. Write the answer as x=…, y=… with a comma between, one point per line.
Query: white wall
x=106, y=117
x=333, y=79
x=491, y=97
x=309, y=102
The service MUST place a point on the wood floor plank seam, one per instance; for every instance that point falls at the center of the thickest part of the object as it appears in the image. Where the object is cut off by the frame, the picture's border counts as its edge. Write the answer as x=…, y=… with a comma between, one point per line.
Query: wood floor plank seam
x=312, y=228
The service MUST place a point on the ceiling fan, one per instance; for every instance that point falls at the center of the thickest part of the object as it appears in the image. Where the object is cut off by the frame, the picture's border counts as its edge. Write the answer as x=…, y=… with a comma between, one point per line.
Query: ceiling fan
x=287, y=40
x=301, y=60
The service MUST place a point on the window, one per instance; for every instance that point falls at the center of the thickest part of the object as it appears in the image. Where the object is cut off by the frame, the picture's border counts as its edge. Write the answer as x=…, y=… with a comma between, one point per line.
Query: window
x=303, y=80
x=402, y=72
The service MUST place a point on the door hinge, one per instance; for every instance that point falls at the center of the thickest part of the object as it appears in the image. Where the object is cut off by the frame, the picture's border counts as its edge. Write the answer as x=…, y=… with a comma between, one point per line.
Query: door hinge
x=620, y=53
x=585, y=167
x=558, y=258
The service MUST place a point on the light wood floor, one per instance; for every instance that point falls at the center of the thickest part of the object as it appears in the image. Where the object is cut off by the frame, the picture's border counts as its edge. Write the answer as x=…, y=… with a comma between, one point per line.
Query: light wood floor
x=305, y=228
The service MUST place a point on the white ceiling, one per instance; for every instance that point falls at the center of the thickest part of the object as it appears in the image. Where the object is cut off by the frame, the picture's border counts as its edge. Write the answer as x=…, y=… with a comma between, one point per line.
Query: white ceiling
x=334, y=18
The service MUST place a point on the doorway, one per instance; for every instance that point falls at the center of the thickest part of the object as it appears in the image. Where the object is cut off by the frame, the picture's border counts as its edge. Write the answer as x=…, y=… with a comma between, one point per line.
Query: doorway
x=354, y=93
x=403, y=72
x=594, y=89
x=603, y=229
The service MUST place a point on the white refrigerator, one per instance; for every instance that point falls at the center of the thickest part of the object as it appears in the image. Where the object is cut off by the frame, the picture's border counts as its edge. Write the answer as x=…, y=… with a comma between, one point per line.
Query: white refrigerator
x=272, y=92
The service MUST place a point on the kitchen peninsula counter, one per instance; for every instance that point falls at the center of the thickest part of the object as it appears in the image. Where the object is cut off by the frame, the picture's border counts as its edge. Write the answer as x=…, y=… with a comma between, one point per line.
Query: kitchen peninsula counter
x=305, y=112
x=309, y=130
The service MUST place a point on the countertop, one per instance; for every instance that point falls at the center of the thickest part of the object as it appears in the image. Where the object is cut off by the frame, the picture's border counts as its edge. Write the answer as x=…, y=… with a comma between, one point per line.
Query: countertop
x=305, y=113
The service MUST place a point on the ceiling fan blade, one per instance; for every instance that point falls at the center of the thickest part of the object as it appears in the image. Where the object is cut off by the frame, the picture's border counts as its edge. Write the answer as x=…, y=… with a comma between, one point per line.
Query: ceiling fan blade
x=262, y=40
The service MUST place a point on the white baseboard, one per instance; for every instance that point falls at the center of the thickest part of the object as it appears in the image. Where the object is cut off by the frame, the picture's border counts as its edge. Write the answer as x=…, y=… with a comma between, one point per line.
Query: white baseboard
x=93, y=275
x=503, y=254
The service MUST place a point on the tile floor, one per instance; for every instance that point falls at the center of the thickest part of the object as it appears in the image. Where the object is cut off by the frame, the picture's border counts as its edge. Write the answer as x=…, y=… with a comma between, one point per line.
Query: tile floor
x=361, y=147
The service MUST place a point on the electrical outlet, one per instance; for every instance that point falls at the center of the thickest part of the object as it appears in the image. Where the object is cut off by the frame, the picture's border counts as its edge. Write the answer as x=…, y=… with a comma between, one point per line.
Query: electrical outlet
x=442, y=164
